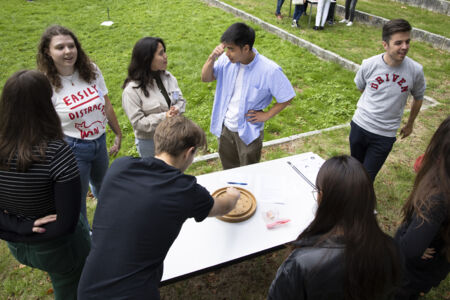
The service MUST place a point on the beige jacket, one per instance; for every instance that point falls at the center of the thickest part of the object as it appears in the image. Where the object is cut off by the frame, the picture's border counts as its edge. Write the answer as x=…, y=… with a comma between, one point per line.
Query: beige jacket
x=145, y=113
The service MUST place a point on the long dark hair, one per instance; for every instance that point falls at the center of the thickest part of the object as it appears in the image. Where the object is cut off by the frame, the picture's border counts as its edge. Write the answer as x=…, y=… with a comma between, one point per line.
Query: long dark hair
x=433, y=179
x=346, y=208
x=27, y=118
x=141, y=60
x=45, y=63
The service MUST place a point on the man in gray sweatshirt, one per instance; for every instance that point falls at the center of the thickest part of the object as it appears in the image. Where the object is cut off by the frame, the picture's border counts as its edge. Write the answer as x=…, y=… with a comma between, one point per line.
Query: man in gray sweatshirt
x=385, y=81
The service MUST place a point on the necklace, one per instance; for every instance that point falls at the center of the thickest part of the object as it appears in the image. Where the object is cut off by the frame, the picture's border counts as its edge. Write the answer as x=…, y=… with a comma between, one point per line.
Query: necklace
x=69, y=78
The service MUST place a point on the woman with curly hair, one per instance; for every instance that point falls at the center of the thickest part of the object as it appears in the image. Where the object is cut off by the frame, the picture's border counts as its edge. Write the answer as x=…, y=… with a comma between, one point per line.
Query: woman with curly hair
x=80, y=98
x=424, y=236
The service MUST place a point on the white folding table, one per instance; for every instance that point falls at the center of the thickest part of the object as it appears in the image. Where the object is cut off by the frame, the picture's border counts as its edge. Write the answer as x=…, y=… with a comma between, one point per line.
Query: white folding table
x=204, y=246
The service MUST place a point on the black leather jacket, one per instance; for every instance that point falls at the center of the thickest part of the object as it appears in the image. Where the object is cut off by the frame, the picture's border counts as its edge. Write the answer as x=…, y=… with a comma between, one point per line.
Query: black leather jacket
x=311, y=272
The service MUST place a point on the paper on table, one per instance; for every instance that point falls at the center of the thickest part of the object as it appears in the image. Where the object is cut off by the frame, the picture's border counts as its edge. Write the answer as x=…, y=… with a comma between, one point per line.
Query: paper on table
x=309, y=166
x=271, y=195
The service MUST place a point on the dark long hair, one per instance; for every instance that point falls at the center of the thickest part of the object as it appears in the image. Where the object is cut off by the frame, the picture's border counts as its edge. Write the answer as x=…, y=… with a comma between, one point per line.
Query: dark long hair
x=139, y=69
x=433, y=179
x=45, y=63
x=346, y=208
x=27, y=118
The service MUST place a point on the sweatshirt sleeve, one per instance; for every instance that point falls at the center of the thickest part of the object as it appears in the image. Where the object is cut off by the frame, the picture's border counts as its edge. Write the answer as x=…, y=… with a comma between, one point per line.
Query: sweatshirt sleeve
x=132, y=105
x=415, y=237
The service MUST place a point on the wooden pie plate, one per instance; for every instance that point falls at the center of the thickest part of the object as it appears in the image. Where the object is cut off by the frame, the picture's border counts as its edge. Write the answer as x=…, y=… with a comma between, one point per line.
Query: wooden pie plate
x=244, y=209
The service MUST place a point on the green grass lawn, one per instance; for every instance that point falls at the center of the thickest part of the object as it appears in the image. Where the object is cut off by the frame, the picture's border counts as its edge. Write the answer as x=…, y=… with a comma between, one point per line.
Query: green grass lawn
x=430, y=21
x=359, y=41
x=325, y=97
x=191, y=29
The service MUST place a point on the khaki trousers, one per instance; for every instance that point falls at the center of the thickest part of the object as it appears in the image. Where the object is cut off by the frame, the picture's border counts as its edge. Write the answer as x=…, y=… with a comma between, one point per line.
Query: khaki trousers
x=233, y=152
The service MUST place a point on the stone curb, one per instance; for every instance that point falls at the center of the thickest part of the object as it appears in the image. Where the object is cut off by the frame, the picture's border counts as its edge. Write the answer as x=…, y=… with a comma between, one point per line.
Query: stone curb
x=437, y=41
x=439, y=6
x=429, y=102
x=305, y=134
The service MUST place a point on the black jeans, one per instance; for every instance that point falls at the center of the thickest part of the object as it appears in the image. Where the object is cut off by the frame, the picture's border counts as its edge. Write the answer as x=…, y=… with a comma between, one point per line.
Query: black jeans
x=369, y=148
x=350, y=6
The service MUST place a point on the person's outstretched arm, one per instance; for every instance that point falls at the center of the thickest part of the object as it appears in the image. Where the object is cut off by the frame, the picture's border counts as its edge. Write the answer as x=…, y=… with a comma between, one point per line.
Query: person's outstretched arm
x=225, y=202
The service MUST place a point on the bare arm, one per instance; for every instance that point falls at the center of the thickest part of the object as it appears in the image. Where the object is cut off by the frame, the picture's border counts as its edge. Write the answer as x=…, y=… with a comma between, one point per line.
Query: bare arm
x=415, y=108
x=254, y=116
x=225, y=202
x=208, y=67
x=114, y=124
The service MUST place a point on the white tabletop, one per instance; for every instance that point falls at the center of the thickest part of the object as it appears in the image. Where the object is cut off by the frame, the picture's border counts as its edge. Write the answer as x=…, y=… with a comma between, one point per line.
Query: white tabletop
x=213, y=242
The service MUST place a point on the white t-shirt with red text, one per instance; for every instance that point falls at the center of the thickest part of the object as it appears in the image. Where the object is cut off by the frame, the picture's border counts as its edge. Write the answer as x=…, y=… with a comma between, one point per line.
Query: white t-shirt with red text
x=81, y=106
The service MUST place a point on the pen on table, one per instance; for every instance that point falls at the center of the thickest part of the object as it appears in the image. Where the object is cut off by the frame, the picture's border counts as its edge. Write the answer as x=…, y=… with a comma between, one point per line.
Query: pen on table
x=301, y=174
x=280, y=203
x=239, y=183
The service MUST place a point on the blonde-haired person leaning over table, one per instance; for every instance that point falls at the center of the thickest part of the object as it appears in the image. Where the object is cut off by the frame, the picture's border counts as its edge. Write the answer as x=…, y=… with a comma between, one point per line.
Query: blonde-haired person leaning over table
x=151, y=94
x=81, y=100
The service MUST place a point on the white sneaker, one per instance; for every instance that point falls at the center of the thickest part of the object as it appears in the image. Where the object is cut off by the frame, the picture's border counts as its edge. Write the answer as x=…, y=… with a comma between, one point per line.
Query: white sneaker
x=349, y=23
x=343, y=21
x=294, y=23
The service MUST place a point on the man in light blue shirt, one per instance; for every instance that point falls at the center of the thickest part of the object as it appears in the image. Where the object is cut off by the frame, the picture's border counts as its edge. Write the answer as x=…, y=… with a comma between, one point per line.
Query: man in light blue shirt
x=246, y=83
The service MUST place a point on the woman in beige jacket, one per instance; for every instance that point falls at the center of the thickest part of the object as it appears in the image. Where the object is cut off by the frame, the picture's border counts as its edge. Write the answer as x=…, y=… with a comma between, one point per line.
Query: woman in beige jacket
x=150, y=93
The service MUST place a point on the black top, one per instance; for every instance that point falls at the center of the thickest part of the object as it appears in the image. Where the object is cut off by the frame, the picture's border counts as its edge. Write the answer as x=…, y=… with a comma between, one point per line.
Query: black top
x=311, y=272
x=50, y=186
x=316, y=271
x=141, y=207
x=414, y=237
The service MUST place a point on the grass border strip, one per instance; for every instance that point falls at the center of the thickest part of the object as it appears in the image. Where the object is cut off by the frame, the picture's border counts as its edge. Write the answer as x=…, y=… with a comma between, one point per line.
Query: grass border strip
x=313, y=48
x=439, y=6
x=428, y=102
x=436, y=40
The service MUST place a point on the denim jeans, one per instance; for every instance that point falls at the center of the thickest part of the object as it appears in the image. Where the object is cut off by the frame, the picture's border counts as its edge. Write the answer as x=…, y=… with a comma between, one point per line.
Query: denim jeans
x=145, y=147
x=298, y=12
x=369, y=148
x=63, y=258
x=350, y=6
x=279, y=4
x=93, y=161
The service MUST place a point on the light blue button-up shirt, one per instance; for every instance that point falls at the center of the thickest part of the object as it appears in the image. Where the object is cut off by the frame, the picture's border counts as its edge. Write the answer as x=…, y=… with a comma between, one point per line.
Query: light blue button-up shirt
x=263, y=79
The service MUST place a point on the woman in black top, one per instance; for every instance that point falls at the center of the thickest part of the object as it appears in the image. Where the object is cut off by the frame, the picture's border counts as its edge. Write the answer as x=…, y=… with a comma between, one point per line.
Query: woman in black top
x=424, y=236
x=342, y=254
x=40, y=185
